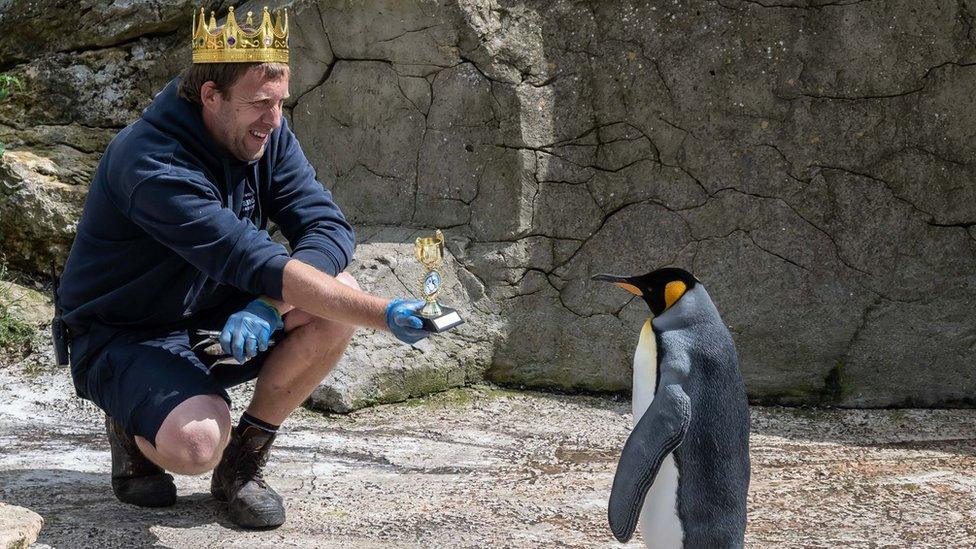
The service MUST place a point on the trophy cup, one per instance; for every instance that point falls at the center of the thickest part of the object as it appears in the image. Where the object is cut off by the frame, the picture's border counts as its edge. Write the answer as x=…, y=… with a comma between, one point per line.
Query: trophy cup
x=430, y=253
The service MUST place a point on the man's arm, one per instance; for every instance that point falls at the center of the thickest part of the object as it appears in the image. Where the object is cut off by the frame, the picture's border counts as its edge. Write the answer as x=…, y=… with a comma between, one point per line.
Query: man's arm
x=304, y=284
x=322, y=295
x=303, y=209
x=182, y=210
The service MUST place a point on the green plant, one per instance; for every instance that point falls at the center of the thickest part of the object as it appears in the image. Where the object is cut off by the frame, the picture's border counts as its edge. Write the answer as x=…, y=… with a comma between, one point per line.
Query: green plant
x=14, y=332
x=8, y=83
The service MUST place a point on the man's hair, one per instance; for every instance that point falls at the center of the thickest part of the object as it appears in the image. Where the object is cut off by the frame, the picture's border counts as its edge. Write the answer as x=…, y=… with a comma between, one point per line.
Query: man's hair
x=223, y=75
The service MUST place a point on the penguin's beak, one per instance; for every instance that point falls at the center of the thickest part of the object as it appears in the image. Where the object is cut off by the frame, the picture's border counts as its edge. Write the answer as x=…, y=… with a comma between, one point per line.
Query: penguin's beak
x=610, y=278
x=621, y=281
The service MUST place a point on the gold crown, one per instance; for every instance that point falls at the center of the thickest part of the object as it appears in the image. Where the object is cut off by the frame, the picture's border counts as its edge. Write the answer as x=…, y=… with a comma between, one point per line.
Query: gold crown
x=233, y=43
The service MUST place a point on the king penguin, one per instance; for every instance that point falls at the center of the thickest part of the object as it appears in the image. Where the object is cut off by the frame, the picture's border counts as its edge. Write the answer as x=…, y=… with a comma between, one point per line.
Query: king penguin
x=684, y=470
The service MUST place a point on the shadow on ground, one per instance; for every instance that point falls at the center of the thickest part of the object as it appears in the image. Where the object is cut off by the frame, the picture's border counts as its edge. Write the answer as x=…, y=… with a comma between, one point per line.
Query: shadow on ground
x=74, y=502
x=949, y=431
x=923, y=429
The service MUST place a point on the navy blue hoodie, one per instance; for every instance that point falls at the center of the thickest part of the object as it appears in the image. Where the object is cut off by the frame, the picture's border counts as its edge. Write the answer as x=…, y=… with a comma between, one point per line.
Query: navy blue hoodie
x=174, y=225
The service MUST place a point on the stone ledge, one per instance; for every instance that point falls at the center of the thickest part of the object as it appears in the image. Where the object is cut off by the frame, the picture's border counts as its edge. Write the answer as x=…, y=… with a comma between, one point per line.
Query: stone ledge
x=376, y=368
x=19, y=527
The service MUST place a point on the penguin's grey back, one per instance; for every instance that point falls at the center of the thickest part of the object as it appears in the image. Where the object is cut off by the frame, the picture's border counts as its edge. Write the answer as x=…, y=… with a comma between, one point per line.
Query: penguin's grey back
x=696, y=351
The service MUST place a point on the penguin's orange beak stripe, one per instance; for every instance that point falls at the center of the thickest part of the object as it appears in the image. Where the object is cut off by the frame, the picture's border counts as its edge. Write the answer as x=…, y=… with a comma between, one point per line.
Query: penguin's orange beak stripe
x=630, y=288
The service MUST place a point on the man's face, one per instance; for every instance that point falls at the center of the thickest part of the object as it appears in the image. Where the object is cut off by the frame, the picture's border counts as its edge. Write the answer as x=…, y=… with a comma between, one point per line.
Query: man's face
x=243, y=117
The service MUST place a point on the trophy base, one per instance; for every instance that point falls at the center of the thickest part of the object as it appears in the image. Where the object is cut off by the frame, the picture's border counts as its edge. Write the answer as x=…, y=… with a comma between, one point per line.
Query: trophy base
x=448, y=319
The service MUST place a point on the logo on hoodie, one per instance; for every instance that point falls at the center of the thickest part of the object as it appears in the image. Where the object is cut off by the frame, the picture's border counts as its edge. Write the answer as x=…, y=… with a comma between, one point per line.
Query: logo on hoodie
x=247, y=205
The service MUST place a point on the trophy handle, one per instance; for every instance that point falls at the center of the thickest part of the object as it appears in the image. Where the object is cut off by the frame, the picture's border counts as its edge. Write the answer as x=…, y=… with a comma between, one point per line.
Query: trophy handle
x=439, y=238
x=418, y=250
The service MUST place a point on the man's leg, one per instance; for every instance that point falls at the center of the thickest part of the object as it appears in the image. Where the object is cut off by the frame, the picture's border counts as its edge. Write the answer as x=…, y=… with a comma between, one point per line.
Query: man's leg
x=164, y=411
x=192, y=437
x=296, y=366
x=135, y=479
x=293, y=368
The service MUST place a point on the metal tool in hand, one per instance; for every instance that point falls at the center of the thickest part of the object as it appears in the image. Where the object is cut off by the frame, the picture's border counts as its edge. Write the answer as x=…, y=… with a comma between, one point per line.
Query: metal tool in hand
x=213, y=336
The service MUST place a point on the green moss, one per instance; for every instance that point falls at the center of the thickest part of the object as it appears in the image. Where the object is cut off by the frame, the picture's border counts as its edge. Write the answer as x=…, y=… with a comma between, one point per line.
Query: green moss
x=457, y=397
x=7, y=83
x=14, y=332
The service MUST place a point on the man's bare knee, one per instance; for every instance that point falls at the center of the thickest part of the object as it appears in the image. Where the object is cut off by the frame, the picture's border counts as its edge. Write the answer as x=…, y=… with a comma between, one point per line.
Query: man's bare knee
x=193, y=436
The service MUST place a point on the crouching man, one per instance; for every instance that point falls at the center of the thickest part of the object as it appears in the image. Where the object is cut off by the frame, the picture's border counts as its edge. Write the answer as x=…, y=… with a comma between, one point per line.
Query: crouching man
x=172, y=242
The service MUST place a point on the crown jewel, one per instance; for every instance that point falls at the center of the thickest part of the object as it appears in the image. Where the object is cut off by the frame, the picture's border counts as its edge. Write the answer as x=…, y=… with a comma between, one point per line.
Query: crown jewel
x=233, y=43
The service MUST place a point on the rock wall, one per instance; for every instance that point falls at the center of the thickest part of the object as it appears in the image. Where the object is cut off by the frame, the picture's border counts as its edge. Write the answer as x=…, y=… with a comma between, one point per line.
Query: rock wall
x=808, y=160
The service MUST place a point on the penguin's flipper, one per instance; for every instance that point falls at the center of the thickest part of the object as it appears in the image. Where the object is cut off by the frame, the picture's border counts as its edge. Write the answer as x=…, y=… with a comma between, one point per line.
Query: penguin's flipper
x=658, y=433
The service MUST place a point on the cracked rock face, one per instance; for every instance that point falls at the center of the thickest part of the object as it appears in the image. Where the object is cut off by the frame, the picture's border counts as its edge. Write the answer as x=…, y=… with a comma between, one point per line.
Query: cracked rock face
x=810, y=161
x=38, y=211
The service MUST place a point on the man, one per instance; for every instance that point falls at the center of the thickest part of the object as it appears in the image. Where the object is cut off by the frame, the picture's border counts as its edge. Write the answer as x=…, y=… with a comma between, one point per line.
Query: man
x=172, y=241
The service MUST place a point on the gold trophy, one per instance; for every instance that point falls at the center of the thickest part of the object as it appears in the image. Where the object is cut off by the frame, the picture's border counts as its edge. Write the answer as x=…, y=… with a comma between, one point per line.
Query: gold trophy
x=430, y=253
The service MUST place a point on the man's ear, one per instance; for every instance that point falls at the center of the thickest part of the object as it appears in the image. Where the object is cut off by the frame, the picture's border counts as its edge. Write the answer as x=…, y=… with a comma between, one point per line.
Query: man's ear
x=209, y=95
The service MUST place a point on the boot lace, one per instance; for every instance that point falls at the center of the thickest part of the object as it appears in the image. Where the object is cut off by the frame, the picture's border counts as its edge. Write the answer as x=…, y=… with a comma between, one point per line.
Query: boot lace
x=249, y=467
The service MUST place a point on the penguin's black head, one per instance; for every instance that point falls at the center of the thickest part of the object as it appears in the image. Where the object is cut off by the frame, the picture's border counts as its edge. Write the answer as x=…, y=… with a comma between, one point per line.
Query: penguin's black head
x=660, y=289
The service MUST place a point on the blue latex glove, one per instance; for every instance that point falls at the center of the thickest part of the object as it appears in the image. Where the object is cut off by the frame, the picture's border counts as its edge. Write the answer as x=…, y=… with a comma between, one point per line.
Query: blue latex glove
x=249, y=330
x=402, y=319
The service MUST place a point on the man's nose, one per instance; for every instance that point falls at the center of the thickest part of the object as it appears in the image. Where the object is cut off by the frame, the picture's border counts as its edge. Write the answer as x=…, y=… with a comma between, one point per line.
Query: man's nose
x=272, y=117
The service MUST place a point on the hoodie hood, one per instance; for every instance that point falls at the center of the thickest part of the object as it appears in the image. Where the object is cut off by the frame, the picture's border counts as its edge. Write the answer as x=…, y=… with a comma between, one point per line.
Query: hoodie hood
x=183, y=120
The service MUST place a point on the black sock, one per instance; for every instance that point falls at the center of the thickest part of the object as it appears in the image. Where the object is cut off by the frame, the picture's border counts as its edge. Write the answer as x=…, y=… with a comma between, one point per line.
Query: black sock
x=247, y=420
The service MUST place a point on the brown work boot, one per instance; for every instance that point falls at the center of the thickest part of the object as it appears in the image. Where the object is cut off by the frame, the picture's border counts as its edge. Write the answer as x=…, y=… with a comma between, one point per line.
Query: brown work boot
x=238, y=480
x=135, y=479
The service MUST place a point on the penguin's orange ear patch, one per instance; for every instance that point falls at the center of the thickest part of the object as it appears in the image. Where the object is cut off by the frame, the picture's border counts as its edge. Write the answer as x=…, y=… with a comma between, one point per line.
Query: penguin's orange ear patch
x=630, y=288
x=673, y=292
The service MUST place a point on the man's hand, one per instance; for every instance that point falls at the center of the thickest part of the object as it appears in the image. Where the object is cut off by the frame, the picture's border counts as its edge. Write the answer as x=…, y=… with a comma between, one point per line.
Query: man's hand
x=249, y=330
x=402, y=320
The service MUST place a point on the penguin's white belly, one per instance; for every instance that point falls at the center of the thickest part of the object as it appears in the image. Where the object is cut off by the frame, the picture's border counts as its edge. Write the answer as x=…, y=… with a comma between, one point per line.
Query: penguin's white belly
x=659, y=522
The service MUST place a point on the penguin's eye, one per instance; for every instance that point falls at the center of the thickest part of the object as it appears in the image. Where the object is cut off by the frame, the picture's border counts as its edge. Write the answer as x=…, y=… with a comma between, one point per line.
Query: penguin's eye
x=673, y=291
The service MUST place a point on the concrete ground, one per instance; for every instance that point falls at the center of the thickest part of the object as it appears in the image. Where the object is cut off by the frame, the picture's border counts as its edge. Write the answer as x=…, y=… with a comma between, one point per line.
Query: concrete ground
x=484, y=467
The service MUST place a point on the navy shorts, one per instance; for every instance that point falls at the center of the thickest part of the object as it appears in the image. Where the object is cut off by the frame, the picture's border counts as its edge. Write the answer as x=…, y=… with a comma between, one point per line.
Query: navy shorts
x=140, y=377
